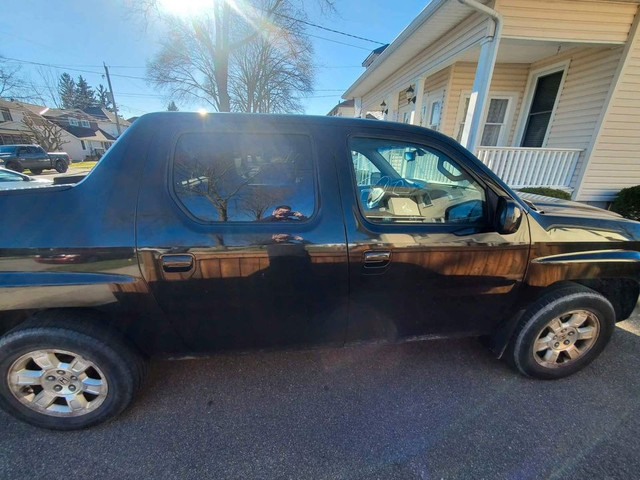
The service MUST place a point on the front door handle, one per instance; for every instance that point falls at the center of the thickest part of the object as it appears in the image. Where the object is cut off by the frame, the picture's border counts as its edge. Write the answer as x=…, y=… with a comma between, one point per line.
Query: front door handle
x=376, y=258
x=177, y=263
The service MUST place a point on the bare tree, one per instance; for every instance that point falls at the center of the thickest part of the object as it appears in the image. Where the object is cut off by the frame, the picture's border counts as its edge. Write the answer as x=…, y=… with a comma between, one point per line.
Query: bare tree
x=47, y=92
x=206, y=59
x=11, y=82
x=257, y=204
x=45, y=133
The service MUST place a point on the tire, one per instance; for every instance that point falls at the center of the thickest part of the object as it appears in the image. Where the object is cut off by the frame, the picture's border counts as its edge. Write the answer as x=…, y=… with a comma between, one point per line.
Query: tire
x=61, y=166
x=15, y=166
x=586, y=323
x=100, y=392
x=35, y=171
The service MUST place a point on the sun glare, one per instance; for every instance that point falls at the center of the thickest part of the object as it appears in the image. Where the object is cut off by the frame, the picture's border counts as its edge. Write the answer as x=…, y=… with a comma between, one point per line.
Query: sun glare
x=185, y=8
x=202, y=111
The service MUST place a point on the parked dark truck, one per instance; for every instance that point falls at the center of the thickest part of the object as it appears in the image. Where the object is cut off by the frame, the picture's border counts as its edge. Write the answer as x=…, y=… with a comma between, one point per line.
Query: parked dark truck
x=33, y=157
x=226, y=231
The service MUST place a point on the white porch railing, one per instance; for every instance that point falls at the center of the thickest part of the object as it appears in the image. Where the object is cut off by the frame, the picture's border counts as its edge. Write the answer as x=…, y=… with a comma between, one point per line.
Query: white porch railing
x=531, y=167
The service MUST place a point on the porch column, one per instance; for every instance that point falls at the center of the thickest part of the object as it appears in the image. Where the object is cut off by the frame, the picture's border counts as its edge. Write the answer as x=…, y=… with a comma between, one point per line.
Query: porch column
x=357, y=104
x=417, y=107
x=392, y=105
x=484, y=72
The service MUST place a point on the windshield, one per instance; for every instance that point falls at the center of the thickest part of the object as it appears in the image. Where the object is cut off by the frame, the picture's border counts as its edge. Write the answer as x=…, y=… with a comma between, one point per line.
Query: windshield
x=9, y=176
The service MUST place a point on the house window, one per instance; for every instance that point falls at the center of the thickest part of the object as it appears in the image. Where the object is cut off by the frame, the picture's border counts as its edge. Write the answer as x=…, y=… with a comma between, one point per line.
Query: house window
x=83, y=145
x=73, y=122
x=405, y=117
x=495, y=122
x=495, y=126
x=84, y=123
x=434, y=115
x=542, y=104
x=5, y=115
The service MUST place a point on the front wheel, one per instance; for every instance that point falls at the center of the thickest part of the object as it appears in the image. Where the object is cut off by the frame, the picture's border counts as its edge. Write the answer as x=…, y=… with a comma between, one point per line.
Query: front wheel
x=61, y=166
x=561, y=333
x=15, y=166
x=58, y=378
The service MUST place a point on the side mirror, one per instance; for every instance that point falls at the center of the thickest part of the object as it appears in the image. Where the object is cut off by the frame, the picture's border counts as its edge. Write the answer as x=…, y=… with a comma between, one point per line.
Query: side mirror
x=509, y=216
x=410, y=156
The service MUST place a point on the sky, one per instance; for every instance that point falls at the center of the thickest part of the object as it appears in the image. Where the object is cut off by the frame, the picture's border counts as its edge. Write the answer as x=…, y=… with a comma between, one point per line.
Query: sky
x=78, y=36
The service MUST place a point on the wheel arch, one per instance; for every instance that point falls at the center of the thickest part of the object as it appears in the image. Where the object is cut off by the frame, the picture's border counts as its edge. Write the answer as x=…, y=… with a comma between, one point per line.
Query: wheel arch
x=148, y=334
x=621, y=292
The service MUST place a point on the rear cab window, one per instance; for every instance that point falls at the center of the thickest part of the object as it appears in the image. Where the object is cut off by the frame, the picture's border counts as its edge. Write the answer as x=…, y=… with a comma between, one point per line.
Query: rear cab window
x=244, y=177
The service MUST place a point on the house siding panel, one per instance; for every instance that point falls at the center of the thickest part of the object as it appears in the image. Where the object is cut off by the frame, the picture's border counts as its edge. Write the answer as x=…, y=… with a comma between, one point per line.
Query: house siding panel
x=583, y=96
x=615, y=157
x=569, y=20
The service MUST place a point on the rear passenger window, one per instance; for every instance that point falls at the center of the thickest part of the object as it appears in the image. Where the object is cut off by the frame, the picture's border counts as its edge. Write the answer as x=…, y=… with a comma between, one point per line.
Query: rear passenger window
x=228, y=177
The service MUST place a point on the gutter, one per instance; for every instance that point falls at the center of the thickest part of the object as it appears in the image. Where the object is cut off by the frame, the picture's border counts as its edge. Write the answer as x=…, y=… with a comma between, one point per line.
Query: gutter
x=482, y=81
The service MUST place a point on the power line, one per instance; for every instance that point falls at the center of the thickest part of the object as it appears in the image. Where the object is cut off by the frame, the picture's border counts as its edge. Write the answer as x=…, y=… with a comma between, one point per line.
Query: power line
x=337, y=41
x=70, y=68
x=315, y=25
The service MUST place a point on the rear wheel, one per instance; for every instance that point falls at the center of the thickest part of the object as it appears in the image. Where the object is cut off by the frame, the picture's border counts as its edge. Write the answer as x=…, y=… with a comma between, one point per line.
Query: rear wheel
x=61, y=166
x=35, y=171
x=15, y=166
x=562, y=333
x=63, y=379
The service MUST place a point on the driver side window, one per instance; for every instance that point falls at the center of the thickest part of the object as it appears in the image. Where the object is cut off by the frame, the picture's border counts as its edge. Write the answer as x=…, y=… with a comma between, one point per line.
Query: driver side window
x=400, y=182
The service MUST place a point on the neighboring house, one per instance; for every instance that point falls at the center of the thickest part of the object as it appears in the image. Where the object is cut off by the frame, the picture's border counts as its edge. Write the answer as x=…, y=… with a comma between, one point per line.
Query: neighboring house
x=12, y=128
x=343, y=109
x=552, y=98
x=83, y=135
x=107, y=120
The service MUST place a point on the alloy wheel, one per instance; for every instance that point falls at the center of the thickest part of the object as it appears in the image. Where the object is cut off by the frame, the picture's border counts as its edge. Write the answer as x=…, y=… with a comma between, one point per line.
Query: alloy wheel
x=566, y=338
x=57, y=383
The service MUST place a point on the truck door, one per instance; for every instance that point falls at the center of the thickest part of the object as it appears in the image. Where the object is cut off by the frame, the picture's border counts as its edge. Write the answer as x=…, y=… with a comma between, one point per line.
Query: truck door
x=25, y=157
x=240, y=235
x=423, y=258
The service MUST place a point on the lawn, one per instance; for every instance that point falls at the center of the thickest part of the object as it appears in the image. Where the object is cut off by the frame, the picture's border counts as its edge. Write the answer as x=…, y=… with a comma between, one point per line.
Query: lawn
x=83, y=164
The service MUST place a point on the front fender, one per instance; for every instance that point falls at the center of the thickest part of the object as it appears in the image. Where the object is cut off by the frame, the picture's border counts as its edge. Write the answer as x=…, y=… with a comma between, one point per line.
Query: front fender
x=596, y=264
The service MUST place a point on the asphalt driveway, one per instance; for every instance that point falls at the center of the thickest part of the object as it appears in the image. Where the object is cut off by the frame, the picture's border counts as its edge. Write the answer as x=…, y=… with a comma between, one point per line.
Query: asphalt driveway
x=439, y=409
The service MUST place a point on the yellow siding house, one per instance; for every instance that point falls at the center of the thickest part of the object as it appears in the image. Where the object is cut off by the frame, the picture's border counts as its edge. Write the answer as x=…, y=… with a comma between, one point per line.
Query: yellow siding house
x=545, y=92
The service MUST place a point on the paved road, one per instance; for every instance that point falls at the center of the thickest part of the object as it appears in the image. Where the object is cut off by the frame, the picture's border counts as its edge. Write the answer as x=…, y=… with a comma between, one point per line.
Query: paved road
x=440, y=409
x=51, y=174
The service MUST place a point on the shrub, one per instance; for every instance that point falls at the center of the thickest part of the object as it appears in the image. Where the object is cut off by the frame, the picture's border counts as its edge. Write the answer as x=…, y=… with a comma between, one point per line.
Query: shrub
x=627, y=203
x=547, y=192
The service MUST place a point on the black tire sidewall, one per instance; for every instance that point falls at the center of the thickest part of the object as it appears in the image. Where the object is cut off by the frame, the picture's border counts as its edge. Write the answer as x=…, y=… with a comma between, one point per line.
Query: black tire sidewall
x=15, y=166
x=572, y=300
x=61, y=166
x=119, y=377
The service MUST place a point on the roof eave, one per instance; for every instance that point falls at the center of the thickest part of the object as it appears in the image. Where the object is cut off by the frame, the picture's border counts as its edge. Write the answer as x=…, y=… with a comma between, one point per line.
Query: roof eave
x=426, y=13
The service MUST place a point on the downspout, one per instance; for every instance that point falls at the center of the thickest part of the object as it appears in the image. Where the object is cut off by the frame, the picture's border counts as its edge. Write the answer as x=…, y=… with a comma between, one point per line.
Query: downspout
x=484, y=72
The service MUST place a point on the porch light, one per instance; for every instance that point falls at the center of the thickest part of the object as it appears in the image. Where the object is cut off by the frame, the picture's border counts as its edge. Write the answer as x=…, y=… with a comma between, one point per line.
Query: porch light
x=383, y=107
x=411, y=98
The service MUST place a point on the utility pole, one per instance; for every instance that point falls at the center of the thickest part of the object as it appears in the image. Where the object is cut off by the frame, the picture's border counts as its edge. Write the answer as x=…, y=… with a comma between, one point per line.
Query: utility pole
x=113, y=98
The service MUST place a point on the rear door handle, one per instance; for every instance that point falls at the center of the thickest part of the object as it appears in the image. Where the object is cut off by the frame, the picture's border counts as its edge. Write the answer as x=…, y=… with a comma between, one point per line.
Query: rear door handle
x=177, y=263
x=377, y=258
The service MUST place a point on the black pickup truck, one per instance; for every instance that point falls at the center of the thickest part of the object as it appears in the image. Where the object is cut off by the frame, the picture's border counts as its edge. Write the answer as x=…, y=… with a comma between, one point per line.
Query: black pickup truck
x=198, y=233
x=33, y=157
